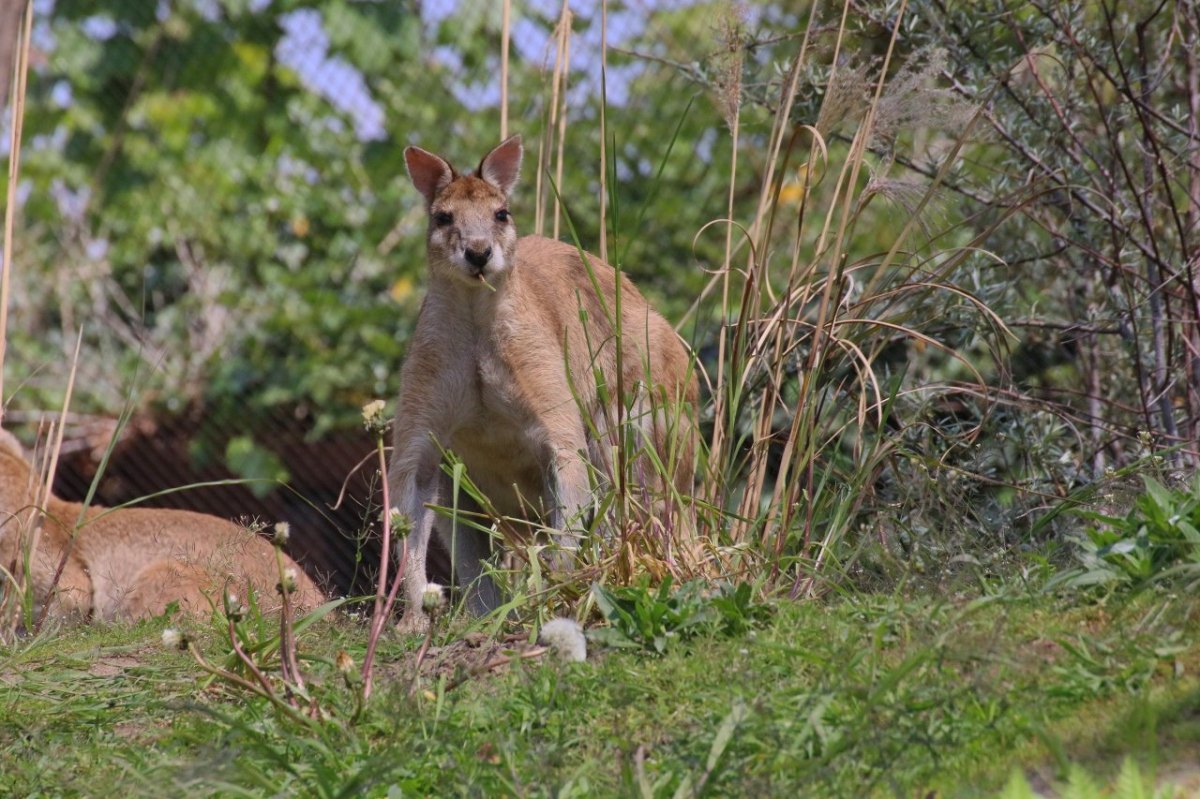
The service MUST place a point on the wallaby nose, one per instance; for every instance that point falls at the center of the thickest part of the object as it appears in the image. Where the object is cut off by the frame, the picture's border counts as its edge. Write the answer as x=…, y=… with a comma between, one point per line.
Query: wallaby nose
x=478, y=258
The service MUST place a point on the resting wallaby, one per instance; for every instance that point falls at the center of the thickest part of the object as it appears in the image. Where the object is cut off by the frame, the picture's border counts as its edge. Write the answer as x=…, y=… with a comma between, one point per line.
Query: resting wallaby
x=502, y=370
x=129, y=563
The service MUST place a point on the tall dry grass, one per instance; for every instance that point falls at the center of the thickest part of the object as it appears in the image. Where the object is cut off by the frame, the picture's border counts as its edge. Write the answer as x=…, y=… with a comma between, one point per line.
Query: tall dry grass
x=804, y=390
x=20, y=76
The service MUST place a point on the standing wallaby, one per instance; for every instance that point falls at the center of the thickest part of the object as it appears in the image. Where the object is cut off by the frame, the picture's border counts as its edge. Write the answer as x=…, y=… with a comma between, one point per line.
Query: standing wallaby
x=130, y=563
x=512, y=340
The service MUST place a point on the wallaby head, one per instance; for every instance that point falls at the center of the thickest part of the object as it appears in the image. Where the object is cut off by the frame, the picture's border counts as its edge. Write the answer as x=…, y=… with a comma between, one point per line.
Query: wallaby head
x=471, y=235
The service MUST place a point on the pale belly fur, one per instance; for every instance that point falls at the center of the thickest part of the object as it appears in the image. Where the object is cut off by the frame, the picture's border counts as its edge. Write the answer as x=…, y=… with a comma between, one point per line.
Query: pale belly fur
x=504, y=449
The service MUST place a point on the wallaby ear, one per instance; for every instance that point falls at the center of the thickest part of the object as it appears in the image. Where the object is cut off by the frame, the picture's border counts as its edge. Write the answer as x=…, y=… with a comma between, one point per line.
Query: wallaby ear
x=429, y=173
x=502, y=166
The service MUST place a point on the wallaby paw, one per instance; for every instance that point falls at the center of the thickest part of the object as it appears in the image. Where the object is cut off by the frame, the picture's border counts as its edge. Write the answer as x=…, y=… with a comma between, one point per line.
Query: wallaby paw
x=412, y=623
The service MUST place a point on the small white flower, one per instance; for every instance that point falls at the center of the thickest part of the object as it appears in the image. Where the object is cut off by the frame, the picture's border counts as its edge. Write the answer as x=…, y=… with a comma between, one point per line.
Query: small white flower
x=283, y=532
x=565, y=637
x=172, y=638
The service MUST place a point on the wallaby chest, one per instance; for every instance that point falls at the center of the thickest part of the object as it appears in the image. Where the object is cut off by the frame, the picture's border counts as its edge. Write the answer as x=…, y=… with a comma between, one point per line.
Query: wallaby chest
x=495, y=386
x=499, y=436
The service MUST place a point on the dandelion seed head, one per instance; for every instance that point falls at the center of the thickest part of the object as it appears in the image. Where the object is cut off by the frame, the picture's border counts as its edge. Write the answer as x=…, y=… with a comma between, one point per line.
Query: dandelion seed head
x=433, y=598
x=289, y=581
x=395, y=519
x=565, y=637
x=373, y=416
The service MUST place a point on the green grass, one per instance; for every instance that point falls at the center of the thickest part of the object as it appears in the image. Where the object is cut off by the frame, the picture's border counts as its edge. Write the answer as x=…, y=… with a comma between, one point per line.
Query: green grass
x=858, y=696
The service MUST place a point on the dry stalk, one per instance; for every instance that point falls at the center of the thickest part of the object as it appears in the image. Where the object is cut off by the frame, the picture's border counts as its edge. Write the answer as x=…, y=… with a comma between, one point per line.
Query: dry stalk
x=45, y=489
x=604, y=148
x=740, y=361
x=732, y=111
x=564, y=38
x=20, y=79
x=504, y=39
x=836, y=266
x=289, y=664
x=546, y=146
x=622, y=453
x=385, y=599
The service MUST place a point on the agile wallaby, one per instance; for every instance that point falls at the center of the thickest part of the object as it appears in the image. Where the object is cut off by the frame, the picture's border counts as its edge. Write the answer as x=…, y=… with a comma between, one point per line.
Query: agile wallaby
x=129, y=563
x=502, y=371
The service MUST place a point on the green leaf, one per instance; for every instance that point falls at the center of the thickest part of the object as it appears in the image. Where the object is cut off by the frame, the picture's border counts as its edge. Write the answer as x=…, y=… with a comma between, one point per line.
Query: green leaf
x=251, y=461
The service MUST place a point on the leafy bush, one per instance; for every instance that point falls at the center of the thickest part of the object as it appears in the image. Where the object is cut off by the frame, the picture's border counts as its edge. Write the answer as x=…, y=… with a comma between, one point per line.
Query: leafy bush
x=1159, y=538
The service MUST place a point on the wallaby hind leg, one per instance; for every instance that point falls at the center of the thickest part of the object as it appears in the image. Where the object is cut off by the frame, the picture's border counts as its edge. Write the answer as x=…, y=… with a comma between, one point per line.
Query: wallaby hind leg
x=468, y=548
x=165, y=581
x=71, y=598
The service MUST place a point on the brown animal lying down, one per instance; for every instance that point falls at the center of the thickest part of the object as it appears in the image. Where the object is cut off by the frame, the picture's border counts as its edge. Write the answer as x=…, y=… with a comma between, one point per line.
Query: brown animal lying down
x=130, y=563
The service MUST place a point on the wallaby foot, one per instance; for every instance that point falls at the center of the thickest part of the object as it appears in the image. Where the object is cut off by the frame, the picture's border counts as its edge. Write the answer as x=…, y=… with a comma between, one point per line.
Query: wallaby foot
x=560, y=559
x=413, y=622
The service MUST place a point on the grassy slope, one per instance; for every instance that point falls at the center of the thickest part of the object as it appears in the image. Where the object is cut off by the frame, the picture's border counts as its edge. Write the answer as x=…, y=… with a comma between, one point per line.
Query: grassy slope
x=855, y=697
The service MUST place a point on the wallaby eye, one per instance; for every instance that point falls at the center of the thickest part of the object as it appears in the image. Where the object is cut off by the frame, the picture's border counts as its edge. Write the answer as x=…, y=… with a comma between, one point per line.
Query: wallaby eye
x=502, y=215
x=443, y=218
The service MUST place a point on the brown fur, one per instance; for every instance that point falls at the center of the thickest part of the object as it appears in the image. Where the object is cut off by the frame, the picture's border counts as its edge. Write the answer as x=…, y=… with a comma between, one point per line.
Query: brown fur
x=130, y=563
x=500, y=366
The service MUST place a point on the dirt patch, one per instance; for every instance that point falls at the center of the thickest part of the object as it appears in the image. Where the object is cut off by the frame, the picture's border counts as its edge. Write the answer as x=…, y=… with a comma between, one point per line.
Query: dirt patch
x=112, y=666
x=1185, y=780
x=474, y=656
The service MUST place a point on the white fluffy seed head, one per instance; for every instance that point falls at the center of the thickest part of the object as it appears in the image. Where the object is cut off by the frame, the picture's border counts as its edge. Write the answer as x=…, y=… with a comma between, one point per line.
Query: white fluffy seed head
x=433, y=598
x=288, y=583
x=565, y=637
x=373, y=417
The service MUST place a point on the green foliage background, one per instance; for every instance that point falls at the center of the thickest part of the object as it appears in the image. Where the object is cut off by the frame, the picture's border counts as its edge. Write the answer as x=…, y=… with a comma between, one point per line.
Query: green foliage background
x=226, y=239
